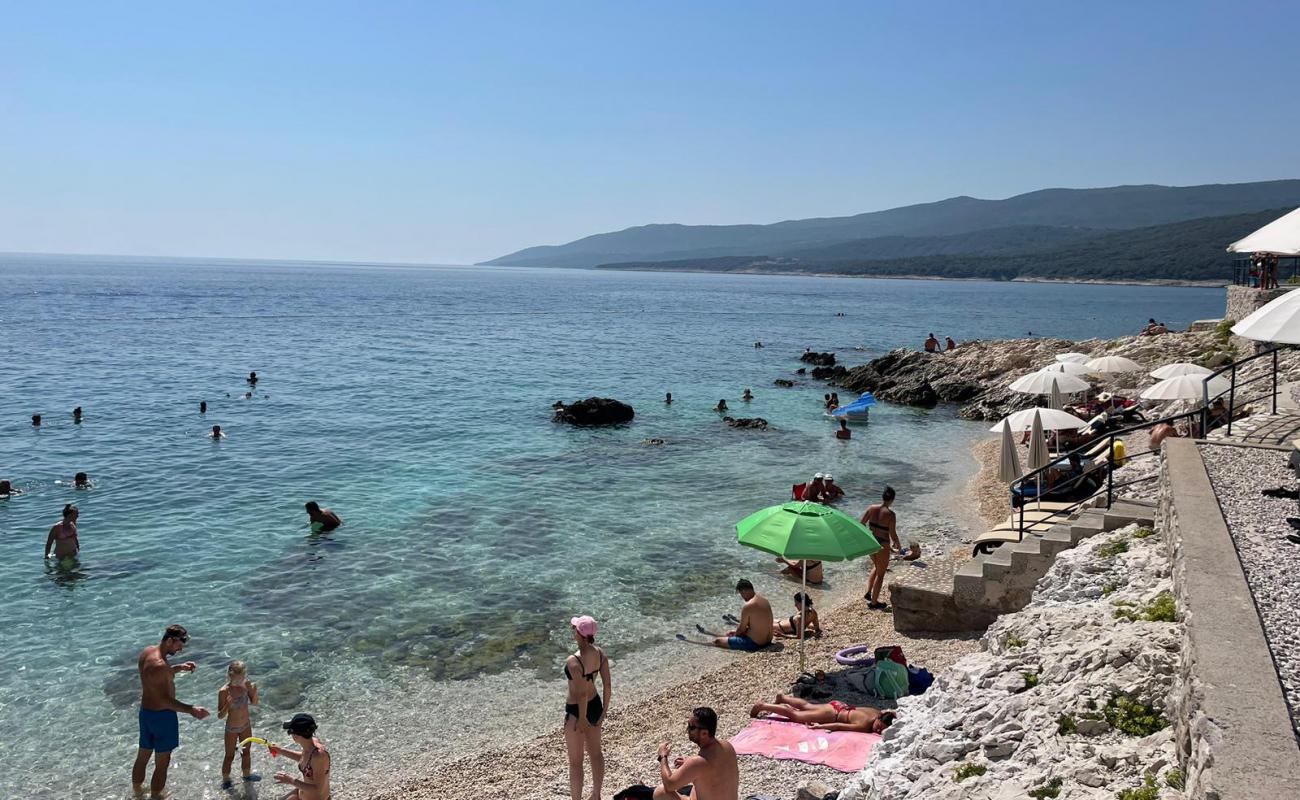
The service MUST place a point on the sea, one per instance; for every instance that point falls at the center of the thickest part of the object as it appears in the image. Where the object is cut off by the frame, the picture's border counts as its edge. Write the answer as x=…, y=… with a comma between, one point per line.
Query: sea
x=415, y=401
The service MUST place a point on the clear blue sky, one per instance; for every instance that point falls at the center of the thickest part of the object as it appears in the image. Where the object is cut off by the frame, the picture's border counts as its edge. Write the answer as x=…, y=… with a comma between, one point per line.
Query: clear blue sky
x=423, y=131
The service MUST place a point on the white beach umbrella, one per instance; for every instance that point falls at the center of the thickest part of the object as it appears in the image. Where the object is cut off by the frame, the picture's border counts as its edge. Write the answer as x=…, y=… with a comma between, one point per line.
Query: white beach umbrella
x=1280, y=237
x=1277, y=321
x=1113, y=364
x=1077, y=358
x=1185, y=387
x=1179, y=368
x=1051, y=419
x=1054, y=398
x=1009, y=466
x=1068, y=367
x=1039, y=457
x=1041, y=383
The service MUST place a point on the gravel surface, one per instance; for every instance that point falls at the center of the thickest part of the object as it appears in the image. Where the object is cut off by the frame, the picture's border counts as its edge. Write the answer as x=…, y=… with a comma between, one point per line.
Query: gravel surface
x=1271, y=562
x=538, y=769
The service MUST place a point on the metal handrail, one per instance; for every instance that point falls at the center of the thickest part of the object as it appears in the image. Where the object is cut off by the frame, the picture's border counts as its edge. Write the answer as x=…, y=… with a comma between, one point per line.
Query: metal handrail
x=1231, y=391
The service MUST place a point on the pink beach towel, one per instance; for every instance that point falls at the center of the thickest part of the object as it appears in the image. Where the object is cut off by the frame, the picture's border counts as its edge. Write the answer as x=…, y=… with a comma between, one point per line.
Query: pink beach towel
x=845, y=751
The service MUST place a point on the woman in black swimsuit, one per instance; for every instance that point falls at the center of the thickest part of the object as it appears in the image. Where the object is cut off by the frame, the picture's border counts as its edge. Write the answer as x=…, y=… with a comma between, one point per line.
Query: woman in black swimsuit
x=881, y=521
x=583, y=709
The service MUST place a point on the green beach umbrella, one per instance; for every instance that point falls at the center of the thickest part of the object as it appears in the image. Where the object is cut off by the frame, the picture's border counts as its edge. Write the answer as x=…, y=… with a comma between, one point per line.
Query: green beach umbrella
x=806, y=531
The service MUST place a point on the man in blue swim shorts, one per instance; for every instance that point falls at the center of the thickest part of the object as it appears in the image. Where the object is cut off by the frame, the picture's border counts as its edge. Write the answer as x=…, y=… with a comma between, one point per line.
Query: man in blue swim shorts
x=159, y=730
x=754, y=631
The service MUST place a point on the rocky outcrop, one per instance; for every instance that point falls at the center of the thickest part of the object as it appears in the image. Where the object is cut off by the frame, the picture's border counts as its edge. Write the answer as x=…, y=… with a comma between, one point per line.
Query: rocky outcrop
x=976, y=374
x=818, y=359
x=594, y=411
x=829, y=373
x=757, y=423
x=1073, y=692
x=784, y=383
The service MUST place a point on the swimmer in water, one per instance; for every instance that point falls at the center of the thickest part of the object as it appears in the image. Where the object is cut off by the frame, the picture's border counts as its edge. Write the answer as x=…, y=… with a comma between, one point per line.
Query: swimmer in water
x=7, y=489
x=203, y=406
x=252, y=379
x=248, y=395
x=324, y=517
x=216, y=433
x=747, y=396
x=721, y=406
x=63, y=536
x=76, y=415
x=81, y=481
x=668, y=398
x=36, y=420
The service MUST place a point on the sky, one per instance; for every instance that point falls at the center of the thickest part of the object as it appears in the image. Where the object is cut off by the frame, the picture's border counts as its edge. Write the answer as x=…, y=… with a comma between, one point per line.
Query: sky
x=456, y=132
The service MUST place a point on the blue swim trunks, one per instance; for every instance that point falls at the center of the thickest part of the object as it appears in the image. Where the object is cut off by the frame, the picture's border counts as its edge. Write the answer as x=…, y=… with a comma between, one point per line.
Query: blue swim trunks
x=159, y=731
x=742, y=643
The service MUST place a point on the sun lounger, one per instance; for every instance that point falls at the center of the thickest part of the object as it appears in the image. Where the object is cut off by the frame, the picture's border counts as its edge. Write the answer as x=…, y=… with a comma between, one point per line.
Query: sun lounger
x=1034, y=515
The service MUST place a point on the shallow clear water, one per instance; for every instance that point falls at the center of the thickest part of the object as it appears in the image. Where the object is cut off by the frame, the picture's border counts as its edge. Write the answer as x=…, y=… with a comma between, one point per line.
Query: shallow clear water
x=416, y=403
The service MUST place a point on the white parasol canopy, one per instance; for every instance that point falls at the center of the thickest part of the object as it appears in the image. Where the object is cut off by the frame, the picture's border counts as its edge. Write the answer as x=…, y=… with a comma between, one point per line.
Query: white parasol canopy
x=1179, y=368
x=1185, y=387
x=1075, y=368
x=1041, y=383
x=1279, y=237
x=1009, y=466
x=1277, y=321
x=1075, y=357
x=1113, y=364
x=1050, y=418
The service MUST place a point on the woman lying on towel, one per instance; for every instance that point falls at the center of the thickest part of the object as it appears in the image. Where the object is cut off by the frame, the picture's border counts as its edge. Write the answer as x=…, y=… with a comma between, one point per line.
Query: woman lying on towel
x=832, y=716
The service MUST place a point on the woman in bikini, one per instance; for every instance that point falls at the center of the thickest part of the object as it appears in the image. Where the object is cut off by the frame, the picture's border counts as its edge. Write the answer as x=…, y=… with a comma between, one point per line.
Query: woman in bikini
x=583, y=709
x=233, y=701
x=804, y=613
x=881, y=521
x=63, y=536
x=832, y=716
x=313, y=761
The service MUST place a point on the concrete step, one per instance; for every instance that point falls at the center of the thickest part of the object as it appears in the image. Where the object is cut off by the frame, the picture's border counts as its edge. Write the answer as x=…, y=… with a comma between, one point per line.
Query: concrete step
x=1088, y=524
x=968, y=581
x=1125, y=513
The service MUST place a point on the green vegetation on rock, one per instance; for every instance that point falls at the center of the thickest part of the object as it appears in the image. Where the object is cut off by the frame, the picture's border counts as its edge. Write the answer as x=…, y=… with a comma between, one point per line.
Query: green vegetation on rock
x=1142, y=533
x=1015, y=642
x=1065, y=725
x=1048, y=790
x=1126, y=713
x=1112, y=548
x=1031, y=680
x=1161, y=609
x=1148, y=791
x=968, y=770
x=1175, y=779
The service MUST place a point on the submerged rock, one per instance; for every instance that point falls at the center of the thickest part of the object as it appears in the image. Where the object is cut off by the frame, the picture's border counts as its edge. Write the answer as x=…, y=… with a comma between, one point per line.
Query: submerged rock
x=758, y=423
x=594, y=411
x=818, y=359
x=782, y=382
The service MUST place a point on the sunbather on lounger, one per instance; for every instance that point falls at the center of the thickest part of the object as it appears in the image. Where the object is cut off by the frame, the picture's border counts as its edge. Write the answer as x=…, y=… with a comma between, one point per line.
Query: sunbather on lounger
x=832, y=716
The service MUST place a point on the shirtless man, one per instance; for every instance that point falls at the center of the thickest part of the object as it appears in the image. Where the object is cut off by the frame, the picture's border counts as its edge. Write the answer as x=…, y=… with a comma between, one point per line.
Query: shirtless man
x=832, y=716
x=63, y=536
x=831, y=490
x=754, y=631
x=815, y=491
x=159, y=730
x=324, y=517
x=931, y=344
x=714, y=774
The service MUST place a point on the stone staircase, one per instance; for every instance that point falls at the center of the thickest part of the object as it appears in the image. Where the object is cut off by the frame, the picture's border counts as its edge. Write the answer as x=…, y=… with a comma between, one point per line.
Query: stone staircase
x=1004, y=580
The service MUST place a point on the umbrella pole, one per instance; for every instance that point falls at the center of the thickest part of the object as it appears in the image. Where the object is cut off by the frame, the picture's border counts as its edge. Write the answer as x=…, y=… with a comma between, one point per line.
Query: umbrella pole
x=803, y=612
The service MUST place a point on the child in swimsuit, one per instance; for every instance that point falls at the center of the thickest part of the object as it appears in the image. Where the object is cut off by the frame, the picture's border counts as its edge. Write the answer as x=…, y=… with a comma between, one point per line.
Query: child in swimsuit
x=233, y=701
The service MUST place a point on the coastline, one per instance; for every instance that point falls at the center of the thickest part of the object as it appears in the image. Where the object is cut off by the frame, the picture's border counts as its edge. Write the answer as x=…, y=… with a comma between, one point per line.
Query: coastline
x=806, y=274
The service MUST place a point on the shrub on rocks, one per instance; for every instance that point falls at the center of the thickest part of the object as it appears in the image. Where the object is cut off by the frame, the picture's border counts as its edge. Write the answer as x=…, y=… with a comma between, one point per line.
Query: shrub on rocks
x=968, y=770
x=1128, y=714
x=1147, y=791
x=1048, y=790
x=1112, y=548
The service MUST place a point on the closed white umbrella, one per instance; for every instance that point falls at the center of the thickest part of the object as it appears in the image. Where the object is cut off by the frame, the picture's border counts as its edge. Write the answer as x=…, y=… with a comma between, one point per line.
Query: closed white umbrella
x=1050, y=418
x=1113, y=364
x=1185, y=387
x=1078, y=358
x=1054, y=398
x=1038, y=455
x=1068, y=367
x=1009, y=466
x=1179, y=368
x=1041, y=383
x=1278, y=321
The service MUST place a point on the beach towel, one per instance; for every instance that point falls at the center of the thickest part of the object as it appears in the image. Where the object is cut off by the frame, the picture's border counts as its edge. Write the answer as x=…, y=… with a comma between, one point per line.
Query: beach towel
x=841, y=750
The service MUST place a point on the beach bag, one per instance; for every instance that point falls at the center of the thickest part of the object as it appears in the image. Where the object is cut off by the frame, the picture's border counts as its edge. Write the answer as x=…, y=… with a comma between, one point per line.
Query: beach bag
x=887, y=679
x=637, y=792
x=891, y=652
x=918, y=680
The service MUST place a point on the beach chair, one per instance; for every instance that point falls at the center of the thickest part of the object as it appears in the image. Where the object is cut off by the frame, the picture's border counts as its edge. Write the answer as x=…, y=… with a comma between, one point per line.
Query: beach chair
x=796, y=491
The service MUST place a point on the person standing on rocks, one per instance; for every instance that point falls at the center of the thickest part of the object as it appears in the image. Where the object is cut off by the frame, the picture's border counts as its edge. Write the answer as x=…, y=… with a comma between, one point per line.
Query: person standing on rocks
x=883, y=524
x=714, y=774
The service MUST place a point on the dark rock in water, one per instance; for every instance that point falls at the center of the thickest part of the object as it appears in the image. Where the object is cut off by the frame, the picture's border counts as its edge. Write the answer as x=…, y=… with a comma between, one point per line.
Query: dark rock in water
x=819, y=359
x=654, y=441
x=829, y=373
x=801, y=371
x=595, y=411
x=783, y=383
x=757, y=423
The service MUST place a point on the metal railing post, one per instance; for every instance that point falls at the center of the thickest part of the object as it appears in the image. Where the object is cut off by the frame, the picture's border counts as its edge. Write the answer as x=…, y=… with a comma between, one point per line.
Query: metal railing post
x=1110, y=472
x=1232, y=397
x=1275, y=381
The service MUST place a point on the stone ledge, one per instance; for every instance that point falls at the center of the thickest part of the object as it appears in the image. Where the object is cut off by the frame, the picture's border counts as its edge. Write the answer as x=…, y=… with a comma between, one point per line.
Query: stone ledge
x=1234, y=733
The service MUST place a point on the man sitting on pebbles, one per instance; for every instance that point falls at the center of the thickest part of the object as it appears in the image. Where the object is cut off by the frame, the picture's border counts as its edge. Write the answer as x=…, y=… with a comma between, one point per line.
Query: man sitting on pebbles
x=714, y=774
x=754, y=631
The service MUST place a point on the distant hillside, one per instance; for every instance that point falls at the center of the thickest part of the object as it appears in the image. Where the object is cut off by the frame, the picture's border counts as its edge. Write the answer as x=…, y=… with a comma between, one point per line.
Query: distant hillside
x=1003, y=226
x=1185, y=251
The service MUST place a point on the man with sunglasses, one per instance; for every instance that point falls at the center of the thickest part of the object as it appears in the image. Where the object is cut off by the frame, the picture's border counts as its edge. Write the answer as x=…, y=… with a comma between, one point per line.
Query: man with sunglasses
x=159, y=729
x=714, y=774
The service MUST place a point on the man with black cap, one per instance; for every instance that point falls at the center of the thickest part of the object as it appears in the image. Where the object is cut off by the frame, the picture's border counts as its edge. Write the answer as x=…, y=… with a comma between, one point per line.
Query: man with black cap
x=313, y=761
x=159, y=729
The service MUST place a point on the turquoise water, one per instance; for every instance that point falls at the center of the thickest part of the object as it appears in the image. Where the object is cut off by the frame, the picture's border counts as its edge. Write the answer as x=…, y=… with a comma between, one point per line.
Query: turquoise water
x=416, y=403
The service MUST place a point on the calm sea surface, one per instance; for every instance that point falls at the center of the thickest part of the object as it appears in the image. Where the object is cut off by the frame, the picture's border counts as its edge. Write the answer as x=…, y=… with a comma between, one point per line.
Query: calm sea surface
x=416, y=403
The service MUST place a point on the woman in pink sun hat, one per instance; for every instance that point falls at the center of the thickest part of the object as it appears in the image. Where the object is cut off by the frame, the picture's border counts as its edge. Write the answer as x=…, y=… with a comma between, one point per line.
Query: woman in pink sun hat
x=583, y=709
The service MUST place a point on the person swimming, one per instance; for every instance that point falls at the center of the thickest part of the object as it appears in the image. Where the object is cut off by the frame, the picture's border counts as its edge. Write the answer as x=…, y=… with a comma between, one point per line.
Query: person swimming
x=252, y=379
x=7, y=489
x=81, y=481
x=324, y=517
x=721, y=406
x=203, y=406
x=668, y=398
x=747, y=396
x=36, y=420
x=76, y=415
x=216, y=433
